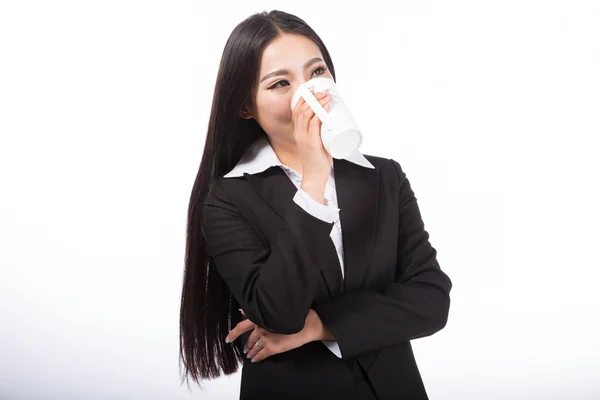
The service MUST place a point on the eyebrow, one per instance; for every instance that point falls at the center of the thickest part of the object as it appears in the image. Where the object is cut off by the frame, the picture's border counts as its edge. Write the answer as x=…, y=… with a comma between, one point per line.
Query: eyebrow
x=285, y=71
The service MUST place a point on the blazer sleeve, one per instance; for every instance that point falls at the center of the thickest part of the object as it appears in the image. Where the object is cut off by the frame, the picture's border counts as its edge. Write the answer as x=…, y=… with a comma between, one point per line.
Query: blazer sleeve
x=328, y=213
x=275, y=286
x=415, y=305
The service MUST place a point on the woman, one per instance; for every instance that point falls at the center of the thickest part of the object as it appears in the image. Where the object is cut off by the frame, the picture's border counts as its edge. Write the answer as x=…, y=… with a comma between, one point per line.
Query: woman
x=266, y=272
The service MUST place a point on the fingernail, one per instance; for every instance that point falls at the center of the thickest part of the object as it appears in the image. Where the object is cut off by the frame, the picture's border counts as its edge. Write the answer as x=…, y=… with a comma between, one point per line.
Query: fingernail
x=227, y=339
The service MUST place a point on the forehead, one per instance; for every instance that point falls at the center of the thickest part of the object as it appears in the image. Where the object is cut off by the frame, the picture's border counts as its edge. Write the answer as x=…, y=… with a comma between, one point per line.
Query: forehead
x=288, y=51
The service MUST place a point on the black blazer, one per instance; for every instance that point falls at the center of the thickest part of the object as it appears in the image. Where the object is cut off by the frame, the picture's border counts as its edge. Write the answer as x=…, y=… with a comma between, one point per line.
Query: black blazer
x=279, y=261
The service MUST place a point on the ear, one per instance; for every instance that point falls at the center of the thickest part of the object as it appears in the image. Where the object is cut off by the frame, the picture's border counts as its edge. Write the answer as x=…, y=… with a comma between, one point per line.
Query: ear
x=246, y=114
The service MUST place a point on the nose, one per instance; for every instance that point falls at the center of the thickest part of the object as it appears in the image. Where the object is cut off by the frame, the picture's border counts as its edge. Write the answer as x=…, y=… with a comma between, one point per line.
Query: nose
x=298, y=84
x=295, y=86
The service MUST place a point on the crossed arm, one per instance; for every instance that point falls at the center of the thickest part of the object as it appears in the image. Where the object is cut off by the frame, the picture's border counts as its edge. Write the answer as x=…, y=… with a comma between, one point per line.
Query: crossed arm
x=276, y=286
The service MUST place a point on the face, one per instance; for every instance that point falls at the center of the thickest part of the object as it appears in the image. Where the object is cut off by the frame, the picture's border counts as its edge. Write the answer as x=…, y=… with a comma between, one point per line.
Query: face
x=286, y=63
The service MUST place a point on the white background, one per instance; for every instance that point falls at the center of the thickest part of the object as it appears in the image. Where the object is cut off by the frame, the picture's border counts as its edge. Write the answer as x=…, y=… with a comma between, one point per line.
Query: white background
x=491, y=107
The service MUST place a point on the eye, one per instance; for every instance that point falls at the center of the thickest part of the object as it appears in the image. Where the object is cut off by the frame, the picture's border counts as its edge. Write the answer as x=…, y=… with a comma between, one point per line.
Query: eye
x=323, y=68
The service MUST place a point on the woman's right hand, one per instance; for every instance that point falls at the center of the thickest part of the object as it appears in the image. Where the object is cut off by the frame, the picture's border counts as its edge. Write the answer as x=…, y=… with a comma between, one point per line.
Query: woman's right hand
x=316, y=162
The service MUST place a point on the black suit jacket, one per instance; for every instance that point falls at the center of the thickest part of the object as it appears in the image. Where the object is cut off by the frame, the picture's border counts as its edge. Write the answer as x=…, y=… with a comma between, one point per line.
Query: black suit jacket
x=279, y=261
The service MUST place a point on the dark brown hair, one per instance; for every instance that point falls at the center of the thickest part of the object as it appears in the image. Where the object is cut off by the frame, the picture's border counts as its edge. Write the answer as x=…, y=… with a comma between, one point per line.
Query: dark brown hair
x=206, y=302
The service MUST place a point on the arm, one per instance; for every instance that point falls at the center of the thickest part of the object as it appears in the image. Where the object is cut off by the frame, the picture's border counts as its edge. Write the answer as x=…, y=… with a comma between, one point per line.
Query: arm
x=327, y=213
x=414, y=306
x=274, y=286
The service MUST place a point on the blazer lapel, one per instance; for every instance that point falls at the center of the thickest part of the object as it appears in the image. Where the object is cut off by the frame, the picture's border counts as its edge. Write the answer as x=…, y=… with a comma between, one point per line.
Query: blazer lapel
x=357, y=194
x=356, y=189
x=274, y=186
x=278, y=191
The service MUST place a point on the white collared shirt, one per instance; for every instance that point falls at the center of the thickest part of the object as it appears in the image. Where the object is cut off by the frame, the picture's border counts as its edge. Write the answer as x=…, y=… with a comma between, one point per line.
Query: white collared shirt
x=261, y=156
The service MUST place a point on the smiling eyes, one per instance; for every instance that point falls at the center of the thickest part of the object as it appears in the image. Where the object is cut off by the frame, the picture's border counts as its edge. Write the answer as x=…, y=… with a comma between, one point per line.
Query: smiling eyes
x=277, y=86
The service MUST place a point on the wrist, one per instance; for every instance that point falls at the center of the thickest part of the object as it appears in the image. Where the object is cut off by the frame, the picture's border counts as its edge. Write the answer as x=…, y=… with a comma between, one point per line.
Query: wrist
x=315, y=182
x=315, y=189
x=316, y=329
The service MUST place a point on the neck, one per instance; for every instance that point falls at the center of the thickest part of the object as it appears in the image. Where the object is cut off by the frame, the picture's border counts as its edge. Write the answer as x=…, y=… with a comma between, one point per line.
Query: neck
x=287, y=152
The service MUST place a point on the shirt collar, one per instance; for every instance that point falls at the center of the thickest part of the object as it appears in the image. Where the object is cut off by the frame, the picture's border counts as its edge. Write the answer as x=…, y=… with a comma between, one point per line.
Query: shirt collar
x=260, y=156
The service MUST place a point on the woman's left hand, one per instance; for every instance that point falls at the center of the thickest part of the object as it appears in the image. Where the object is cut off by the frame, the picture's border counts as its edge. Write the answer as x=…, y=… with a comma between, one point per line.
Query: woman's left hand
x=275, y=343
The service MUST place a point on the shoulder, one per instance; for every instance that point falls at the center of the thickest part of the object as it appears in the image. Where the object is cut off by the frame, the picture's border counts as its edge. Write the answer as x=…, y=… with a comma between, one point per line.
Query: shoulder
x=388, y=167
x=218, y=191
x=227, y=190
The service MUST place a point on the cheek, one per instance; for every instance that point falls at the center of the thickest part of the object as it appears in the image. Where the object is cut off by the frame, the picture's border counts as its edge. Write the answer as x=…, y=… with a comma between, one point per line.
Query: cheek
x=283, y=110
x=278, y=109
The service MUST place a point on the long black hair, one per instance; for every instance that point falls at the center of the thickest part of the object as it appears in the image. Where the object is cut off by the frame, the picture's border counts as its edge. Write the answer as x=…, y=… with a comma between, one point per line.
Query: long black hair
x=206, y=302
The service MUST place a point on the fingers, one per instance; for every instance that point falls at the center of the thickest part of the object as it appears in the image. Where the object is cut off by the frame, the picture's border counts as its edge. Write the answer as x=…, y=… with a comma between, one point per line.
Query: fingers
x=314, y=123
x=326, y=102
x=324, y=98
x=240, y=328
x=262, y=354
x=251, y=343
x=305, y=120
x=251, y=349
x=302, y=106
x=258, y=353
